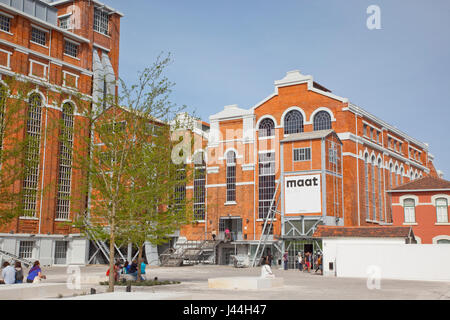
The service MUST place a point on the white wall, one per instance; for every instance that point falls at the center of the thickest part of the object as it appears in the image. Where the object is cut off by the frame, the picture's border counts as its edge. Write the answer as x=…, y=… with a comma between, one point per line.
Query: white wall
x=394, y=260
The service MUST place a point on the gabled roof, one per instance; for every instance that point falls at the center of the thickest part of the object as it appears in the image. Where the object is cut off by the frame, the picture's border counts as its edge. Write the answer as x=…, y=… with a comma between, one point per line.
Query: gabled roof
x=319, y=134
x=425, y=183
x=363, y=232
x=231, y=111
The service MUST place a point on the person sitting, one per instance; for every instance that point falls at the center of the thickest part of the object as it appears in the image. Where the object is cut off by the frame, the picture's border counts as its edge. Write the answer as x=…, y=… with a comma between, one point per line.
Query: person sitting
x=35, y=274
x=143, y=265
x=8, y=273
x=133, y=269
x=19, y=272
x=266, y=271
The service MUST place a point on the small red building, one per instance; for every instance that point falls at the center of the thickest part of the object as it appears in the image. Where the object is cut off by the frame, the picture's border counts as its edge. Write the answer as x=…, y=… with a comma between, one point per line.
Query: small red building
x=423, y=204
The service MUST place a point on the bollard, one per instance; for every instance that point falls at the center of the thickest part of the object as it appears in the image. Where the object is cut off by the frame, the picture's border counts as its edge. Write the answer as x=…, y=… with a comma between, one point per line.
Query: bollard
x=93, y=291
x=129, y=288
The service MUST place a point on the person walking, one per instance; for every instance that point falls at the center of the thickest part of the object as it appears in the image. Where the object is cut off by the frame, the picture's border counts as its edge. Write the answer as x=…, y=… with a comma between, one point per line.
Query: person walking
x=213, y=234
x=319, y=264
x=308, y=261
x=300, y=261
x=35, y=274
x=143, y=265
x=8, y=273
x=285, y=260
x=19, y=272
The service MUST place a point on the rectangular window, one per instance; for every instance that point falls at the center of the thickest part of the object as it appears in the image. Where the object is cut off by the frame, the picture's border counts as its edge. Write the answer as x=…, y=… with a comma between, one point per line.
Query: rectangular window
x=26, y=249
x=199, y=192
x=38, y=36
x=302, y=154
x=333, y=154
x=231, y=182
x=71, y=49
x=5, y=23
x=442, y=210
x=365, y=130
x=409, y=210
x=101, y=21
x=266, y=183
x=64, y=23
x=60, y=252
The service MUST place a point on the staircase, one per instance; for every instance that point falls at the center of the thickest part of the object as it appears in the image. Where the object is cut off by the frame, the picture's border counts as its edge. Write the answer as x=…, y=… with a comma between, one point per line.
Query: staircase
x=25, y=262
x=189, y=252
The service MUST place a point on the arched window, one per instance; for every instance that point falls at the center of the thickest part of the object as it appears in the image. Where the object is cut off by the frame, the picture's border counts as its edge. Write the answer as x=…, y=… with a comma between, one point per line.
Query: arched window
x=293, y=122
x=231, y=176
x=199, y=186
x=65, y=163
x=396, y=176
x=33, y=152
x=380, y=197
x=374, y=194
x=401, y=176
x=409, y=207
x=3, y=96
x=366, y=185
x=441, y=210
x=266, y=128
x=322, y=121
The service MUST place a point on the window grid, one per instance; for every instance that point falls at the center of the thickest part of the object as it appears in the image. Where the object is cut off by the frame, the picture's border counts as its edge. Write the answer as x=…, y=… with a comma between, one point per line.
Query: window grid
x=5, y=23
x=374, y=199
x=26, y=249
x=380, y=197
x=442, y=210
x=333, y=154
x=38, y=36
x=65, y=164
x=101, y=21
x=366, y=185
x=71, y=49
x=409, y=208
x=266, y=183
x=200, y=189
x=2, y=118
x=32, y=159
x=231, y=176
x=180, y=188
x=293, y=122
x=64, y=23
x=266, y=128
x=60, y=252
x=322, y=121
x=302, y=154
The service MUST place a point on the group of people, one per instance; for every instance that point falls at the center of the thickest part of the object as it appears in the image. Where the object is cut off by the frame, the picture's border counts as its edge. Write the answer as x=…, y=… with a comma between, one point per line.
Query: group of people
x=305, y=262
x=124, y=267
x=12, y=275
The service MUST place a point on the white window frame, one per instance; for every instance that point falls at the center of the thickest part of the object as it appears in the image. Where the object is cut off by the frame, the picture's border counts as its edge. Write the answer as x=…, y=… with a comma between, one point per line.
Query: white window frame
x=33, y=26
x=65, y=73
x=409, y=212
x=8, y=66
x=10, y=17
x=442, y=214
x=39, y=63
x=74, y=43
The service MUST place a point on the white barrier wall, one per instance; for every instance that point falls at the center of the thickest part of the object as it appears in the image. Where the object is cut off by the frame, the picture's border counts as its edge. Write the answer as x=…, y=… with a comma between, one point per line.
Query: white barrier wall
x=393, y=261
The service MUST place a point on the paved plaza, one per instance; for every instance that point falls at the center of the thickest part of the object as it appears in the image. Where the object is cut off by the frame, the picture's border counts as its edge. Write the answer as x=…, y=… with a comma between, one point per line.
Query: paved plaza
x=298, y=285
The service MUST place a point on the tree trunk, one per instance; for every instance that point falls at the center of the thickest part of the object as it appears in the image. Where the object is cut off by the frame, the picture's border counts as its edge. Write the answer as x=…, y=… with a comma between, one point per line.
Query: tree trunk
x=141, y=248
x=111, y=258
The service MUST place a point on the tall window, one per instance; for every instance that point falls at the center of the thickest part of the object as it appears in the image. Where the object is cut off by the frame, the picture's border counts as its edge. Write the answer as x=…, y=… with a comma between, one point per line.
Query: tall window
x=322, y=121
x=293, y=122
x=266, y=128
x=231, y=176
x=374, y=194
x=3, y=94
x=5, y=23
x=32, y=158
x=401, y=176
x=180, y=188
x=380, y=197
x=199, y=186
x=64, y=22
x=266, y=162
x=396, y=176
x=65, y=163
x=409, y=208
x=101, y=21
x=366, y=185
x=38, y=36
x=442, y=210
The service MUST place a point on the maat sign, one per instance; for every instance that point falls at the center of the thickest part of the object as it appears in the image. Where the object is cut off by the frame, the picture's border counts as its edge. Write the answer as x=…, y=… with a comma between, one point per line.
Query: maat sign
x=302, y=194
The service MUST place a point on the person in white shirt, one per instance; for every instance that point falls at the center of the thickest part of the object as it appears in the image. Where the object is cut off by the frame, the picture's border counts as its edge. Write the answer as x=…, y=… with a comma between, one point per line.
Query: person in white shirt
x=266, y=271
x=8, y=273
x=300, y=261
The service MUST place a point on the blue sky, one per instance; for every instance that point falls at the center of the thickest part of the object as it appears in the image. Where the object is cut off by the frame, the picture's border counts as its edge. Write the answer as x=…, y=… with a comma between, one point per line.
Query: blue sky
x=230, y=52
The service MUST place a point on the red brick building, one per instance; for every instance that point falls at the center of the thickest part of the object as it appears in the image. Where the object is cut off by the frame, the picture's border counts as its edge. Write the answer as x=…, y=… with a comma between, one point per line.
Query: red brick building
x=62, y=47
x=310, y=156
x=423, y=205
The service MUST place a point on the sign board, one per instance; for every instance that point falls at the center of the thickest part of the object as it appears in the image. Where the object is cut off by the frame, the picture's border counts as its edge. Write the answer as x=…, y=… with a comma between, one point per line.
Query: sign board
x=302, y=194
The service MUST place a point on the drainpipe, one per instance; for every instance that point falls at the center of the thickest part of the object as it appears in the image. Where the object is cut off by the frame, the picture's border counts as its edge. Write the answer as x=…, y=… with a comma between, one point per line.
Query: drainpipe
x=357, y=167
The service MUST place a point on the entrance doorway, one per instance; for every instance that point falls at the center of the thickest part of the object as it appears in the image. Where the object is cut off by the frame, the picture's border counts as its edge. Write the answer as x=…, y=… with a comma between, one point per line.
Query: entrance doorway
x=234, y=224
x=295, y=246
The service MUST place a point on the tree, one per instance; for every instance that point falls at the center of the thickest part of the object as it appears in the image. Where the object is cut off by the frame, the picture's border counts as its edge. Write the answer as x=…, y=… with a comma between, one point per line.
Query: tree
x=130, y=175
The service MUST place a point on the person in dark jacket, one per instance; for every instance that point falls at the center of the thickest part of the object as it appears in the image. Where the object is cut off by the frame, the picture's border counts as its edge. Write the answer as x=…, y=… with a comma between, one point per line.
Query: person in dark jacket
x=19, y=272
